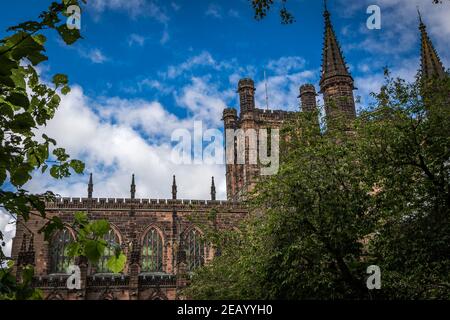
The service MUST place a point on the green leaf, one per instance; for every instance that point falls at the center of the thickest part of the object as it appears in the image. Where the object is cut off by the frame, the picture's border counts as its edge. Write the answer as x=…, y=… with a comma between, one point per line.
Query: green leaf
x=93, y=249
x=74, y=249
x=18, y=99
x=65, y=90
x=27, y=274
x=61, y=154
x=49, y=140
x=22, y=122
x=60, y=80
x=28, y=48
x=116, y=263
x=6, y=64
x=69, y=36
x=2, y=175
x=81, y=218
x=19, y=78
x=10, y=264
x=99, y=227
x=54, y=172
x=7, y=81
x=77, y=166
x=40, y=39
x=20, y=175
x=36, y=58
x=6, y=110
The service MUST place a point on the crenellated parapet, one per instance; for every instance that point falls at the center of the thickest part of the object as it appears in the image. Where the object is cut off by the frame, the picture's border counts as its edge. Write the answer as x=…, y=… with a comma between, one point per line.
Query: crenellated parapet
x=144, y=204
x=264, y=115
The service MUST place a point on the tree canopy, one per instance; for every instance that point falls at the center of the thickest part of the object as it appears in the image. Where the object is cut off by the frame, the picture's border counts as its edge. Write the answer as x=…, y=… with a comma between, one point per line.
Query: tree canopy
x=26, y=103
x=373, y=191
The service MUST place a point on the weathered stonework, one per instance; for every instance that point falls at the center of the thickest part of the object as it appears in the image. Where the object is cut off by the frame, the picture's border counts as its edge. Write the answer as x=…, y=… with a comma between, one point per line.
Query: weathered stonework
x=131, y=219
x=173, y=219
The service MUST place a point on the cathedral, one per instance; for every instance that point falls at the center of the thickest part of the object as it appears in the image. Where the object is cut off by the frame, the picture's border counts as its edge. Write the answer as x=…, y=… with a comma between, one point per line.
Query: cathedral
x=163, y=238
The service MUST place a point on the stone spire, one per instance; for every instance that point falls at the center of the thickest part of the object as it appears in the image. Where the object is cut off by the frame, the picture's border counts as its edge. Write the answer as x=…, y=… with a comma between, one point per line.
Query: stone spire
x=333, y=63
x=431, y=65
x=336, y=83
x=174, y=188
x=90, y=187
x=133, y=187
x=213, y=190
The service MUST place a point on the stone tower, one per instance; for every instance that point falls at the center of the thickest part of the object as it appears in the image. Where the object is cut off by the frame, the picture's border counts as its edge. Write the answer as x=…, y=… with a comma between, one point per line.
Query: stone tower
x=336, y=83
x=308, y=98
x=242, y=177
x=246, y=90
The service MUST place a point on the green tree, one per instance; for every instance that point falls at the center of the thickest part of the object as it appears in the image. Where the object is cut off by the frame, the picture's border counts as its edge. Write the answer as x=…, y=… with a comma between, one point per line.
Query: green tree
x=370, y=191
x=27, y=103
x=412, y=161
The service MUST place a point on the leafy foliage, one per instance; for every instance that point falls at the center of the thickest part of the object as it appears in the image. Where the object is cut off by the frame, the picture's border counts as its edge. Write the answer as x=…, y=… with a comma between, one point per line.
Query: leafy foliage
x=371, y=191
x=262, y=8
x=90, y=241
x=26, y=103
x=10, y=289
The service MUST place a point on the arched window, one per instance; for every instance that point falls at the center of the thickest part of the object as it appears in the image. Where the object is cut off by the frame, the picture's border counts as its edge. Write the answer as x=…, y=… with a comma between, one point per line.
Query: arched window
x=195, y=249
x=112, y=239
x=59, y=259
x=152, y=252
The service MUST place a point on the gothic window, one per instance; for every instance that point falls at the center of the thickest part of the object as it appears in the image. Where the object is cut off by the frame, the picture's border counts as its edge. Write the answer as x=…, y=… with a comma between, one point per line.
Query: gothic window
x=152, y=252
x=195, y=249
x=112, y=240
x=59, y=259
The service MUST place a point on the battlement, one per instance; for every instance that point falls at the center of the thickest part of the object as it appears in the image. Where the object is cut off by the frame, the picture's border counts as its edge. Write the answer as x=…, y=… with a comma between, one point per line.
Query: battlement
x=274, y=115
x=149, y=204
x=229, y=112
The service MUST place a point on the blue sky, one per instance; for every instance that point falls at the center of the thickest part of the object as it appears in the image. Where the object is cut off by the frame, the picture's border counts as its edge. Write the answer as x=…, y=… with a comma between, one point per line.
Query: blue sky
x=148, y=67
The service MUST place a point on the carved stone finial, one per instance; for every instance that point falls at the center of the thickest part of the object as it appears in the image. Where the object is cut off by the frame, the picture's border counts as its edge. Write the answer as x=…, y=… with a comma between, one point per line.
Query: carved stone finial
x=174, y=188
x=133, y=188
x=90, y=187
x=213, y=190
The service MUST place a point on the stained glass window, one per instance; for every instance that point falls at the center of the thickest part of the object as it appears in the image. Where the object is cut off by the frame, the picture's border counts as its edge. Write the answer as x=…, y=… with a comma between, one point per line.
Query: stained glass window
x=195, y=249
x=152, y=252
x=59, y=259
x=112, y=239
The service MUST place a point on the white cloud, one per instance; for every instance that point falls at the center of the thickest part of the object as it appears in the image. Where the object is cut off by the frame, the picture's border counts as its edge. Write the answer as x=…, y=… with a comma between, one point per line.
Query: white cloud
x=214, y=10
x=400, y=32
x=175, y=6
x=203, y=59
x=133, y=7
x=285, y=65
x=155, y=84
x=374, y=78
x=165, y=37
x=283, y=90
x=136, y=39
x=7, y=227
x=94, y=55
x=117, y=137
x=233, y=13
x=204, y=100
x=284, y=77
